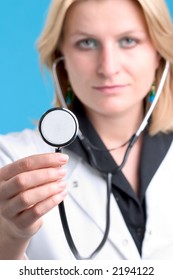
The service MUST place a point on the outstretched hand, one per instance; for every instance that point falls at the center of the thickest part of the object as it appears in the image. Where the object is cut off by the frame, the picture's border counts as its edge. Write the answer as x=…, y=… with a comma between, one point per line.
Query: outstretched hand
x=29, y=188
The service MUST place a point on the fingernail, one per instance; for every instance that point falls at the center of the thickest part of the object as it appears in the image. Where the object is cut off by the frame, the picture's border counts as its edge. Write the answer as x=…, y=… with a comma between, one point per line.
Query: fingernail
x=61, y=171
x=63, y=157
x=64, y=193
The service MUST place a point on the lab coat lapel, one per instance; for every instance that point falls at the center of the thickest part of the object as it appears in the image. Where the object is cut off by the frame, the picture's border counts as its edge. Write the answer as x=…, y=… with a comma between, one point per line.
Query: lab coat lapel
x=86, y=186
x=159, y=228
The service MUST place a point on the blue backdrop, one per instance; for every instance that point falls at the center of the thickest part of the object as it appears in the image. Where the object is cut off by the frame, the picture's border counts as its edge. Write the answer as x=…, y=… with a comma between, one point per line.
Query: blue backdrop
x=24, y=93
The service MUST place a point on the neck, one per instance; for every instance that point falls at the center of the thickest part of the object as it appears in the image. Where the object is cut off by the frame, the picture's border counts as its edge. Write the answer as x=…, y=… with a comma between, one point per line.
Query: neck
x=115, y=131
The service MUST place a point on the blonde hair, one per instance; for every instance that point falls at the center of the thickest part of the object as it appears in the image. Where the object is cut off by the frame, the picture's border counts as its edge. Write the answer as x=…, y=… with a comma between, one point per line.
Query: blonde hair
x=161, y=32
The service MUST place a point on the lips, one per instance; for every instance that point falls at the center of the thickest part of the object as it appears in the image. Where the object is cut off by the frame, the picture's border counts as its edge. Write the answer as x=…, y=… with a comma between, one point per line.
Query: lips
x=110, y=89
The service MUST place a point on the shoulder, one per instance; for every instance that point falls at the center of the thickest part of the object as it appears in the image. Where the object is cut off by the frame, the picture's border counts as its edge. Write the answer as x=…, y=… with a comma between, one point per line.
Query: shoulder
x=21, y=144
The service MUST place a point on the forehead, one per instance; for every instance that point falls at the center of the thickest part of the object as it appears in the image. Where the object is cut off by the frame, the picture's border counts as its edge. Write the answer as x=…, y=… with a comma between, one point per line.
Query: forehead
x=103, y=14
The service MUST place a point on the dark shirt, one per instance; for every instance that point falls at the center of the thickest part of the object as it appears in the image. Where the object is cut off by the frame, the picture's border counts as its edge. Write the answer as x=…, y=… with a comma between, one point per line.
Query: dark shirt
x=132, y=207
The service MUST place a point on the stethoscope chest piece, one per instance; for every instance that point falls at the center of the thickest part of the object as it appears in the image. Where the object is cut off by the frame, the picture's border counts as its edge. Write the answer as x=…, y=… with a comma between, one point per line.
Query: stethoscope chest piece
x=58, y=127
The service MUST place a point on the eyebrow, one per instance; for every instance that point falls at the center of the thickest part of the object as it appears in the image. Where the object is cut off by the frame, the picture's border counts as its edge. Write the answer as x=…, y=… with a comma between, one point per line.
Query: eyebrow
x=87, y=34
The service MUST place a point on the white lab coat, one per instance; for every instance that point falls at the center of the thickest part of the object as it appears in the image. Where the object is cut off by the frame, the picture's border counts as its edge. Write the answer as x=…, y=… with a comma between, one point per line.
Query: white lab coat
x=85, y=207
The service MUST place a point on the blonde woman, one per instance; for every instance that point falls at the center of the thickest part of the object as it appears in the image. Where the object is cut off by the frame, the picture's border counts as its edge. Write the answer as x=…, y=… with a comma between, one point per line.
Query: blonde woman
x=109, y=58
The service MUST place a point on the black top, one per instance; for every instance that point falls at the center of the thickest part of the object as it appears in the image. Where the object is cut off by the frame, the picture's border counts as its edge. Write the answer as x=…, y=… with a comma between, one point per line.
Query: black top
x=131, y=206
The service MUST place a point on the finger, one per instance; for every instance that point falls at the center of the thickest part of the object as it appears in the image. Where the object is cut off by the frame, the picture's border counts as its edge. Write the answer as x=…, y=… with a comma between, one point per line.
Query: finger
x=32, y=163
x=31, y=197
x=27, y=218
x=28, y=180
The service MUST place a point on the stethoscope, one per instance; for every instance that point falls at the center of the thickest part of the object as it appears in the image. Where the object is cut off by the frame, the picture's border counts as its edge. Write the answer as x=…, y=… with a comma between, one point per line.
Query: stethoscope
x=59, y=127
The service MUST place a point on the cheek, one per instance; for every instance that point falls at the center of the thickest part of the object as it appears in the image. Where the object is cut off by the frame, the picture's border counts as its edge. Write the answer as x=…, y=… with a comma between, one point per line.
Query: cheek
x=79, y=72
x=146, y=74
x=75, y=78
x=74, y=68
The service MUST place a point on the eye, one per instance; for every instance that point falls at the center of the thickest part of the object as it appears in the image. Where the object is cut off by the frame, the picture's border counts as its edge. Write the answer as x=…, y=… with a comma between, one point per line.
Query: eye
x=88, y=44
x=128, y=42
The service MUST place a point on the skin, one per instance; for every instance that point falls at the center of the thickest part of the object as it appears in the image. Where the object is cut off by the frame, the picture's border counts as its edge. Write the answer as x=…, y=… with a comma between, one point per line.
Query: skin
x=106, y=44
x=29, y=188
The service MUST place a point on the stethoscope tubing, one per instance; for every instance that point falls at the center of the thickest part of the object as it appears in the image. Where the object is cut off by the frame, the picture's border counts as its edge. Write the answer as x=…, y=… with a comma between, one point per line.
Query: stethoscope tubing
x=95, y=165
x=67, y=231
x=108, y=195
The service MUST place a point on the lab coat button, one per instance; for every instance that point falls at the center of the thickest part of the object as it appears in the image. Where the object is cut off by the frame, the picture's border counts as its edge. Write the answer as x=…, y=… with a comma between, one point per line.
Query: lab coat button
x=75, y=184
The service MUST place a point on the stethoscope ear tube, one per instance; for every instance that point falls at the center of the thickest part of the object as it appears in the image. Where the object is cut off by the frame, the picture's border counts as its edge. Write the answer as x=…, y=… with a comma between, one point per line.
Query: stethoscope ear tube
x=54, y=141
x=57, y=83
x=153, y=104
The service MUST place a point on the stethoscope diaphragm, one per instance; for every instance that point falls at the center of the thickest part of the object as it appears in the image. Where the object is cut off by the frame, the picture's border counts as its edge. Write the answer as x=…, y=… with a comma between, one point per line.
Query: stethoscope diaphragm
x=58, y=127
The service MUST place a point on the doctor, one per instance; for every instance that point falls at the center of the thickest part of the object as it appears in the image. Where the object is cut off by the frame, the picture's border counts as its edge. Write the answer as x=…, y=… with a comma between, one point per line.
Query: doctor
x=112, y=57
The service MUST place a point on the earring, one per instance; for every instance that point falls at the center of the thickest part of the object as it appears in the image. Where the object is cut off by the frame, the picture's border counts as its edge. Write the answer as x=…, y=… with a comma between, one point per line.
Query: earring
x=152, y=93
x=69, y=95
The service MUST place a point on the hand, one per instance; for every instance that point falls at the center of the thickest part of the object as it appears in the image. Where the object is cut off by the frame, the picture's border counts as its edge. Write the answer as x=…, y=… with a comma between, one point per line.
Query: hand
x=29, y=188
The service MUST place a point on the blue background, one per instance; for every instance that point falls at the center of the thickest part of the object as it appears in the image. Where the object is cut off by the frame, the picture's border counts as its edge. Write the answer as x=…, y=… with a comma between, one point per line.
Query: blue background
x=24, y=93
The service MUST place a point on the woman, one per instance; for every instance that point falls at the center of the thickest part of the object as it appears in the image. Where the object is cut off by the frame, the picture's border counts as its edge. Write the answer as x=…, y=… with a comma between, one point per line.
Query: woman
x=112, y=55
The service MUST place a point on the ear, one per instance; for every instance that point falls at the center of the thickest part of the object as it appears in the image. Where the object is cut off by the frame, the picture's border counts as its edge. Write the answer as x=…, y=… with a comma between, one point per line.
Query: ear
x=62, y=54
x=158, y=58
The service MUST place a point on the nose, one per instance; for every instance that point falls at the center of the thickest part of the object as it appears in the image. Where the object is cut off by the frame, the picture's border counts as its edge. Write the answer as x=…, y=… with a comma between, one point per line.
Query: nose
x=109, y=62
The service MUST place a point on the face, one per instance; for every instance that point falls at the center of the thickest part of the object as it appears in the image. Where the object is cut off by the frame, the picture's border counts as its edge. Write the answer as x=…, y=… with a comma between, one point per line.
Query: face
x=109, y=56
